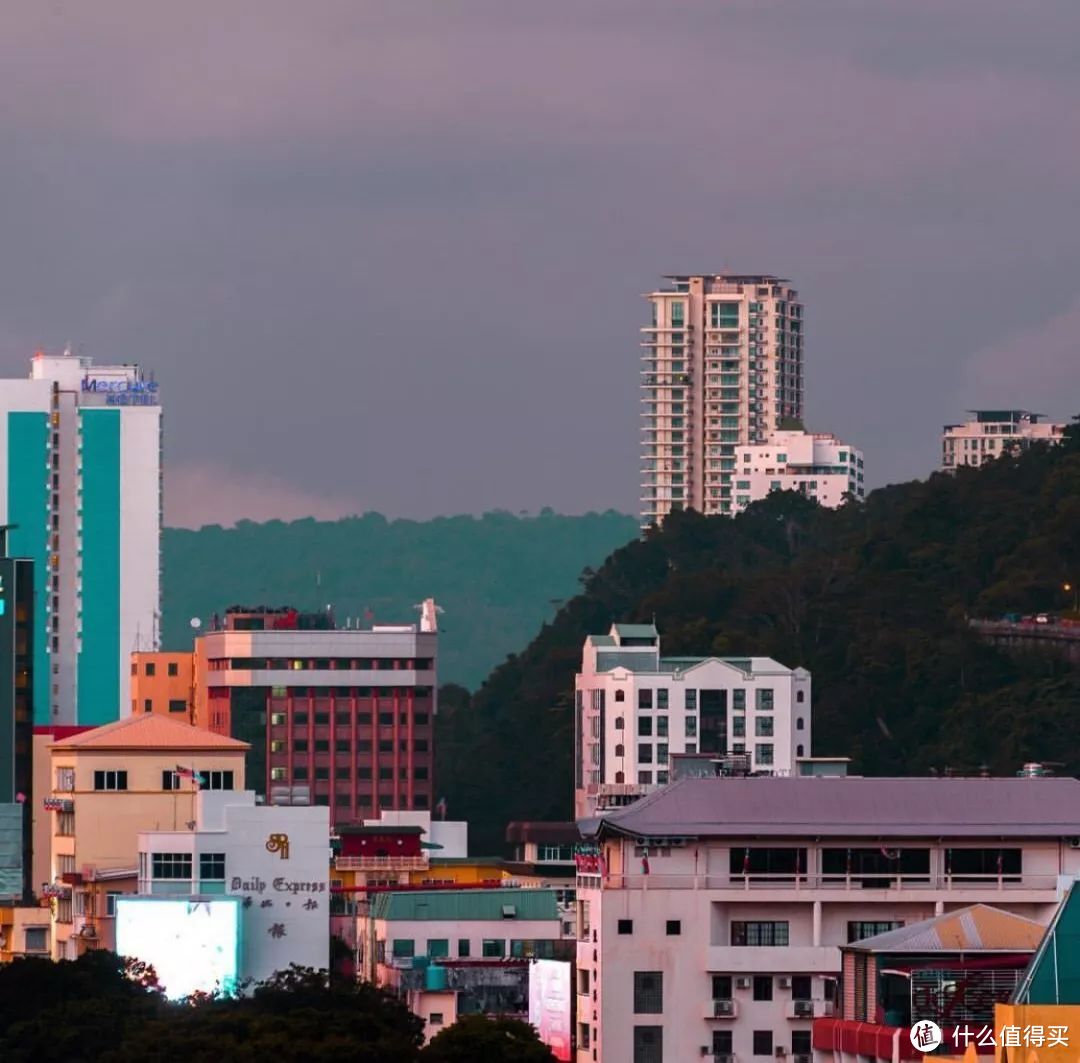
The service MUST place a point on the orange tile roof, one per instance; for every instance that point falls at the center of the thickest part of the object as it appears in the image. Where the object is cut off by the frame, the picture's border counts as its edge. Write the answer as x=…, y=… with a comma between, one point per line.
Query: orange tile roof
x=978, y=927
x=149, y=731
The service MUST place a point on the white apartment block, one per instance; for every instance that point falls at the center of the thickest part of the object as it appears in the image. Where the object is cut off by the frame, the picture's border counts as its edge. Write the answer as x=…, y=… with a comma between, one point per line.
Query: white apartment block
x=635, y=709
x=711, y=923
x=986, y=434
x=721, y=367
x=815, y=464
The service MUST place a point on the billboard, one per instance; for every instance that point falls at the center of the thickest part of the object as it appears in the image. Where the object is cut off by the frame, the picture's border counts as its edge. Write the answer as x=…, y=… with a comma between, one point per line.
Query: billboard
x=550, y=1000
x=193, y=945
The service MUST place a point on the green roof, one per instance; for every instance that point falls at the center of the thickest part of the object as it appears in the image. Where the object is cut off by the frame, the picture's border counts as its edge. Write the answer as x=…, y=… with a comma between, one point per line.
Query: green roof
x=1053, y=976
x=602, y=640
x=636, y=631
x=465, y=905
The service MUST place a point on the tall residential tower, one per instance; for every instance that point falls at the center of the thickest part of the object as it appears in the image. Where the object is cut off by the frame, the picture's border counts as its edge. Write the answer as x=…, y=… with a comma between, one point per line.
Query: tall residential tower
x=80, y=486
x=722, y=367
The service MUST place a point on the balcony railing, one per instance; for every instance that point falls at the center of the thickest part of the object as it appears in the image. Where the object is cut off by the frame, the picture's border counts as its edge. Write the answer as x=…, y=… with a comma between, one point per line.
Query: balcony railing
x=382, y=863
x=864, y=884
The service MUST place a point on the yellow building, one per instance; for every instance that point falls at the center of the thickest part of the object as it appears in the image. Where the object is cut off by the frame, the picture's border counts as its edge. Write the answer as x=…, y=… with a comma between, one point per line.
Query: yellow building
x=105, y=786
x=163, y=682
x=24, y=931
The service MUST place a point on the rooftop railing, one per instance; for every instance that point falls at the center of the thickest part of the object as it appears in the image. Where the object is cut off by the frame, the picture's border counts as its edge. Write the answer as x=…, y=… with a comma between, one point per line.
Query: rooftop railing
x=815, y=883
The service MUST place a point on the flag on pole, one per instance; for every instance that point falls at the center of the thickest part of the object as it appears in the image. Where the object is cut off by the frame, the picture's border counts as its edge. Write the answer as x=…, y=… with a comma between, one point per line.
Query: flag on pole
x=189, y=773
x=644, y=861
x=440, y=808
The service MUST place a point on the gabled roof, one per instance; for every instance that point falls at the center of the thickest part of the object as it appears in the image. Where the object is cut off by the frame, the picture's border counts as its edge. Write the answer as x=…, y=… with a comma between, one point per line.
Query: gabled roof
x=831, y=806
x=150, y=731
x=465, y=905
x=635, y=631
x=1053, y=976
x=979, y=927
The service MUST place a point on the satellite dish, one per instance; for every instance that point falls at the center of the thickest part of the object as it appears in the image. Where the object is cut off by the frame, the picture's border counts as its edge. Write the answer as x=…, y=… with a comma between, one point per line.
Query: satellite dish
x=196, y=623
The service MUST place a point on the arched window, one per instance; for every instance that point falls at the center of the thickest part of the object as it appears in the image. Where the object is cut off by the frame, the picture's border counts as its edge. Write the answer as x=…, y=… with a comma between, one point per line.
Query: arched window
x=799, y=724
x=620, y=751
x=798, y=751
x=620, y=777
x=620, y=695
x=800, y=696
x=618, y=723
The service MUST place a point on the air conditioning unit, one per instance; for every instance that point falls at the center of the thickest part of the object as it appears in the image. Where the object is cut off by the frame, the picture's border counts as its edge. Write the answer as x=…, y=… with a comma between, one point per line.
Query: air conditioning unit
x=781, y=1051
x=742, y=983
x=784, y=983
x=1074, y=843
x=723, y=1007
x=804, y=1009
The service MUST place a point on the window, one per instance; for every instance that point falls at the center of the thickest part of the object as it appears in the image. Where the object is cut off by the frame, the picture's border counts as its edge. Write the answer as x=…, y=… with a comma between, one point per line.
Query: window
x=875, y=866
x=662, y=699
x=798, y=751
x=494, y=948
x=648, y=1044
x=403, y=948
x=721, y=1043
x=973, y=865
x=738, y=700
x=800, y=696
x=860, y=929
x=648, y=992
x=778, y=864
x=170, y=865
x=673, y=927
x=763, y=1043
x=691, y=727
x=644, y=725
x=619, y=723
x=644, y=699
x=212, y=867
x=721, y=987
x=763, y=987
x=801, y=985
x=691, y=701
x=662, y=726
x=177, y=705
x=738, y=726
x=620, y=750
x=151, y=668
x=110, y=780
x=37, y=938
x=435, y=1018
x=217, y=780
x=644, y=778
x=763, y=726
x=799, y=724
x=174, y=668
x=800, y=1042
x=764, y=700
x=625, y=926
x=759, y=933
x=110, y=903
x=463, y=947
x=644, y=753
x=763, y=753
x=65, y=824
x=65, y=779
x=620, y=695
x=438, y=948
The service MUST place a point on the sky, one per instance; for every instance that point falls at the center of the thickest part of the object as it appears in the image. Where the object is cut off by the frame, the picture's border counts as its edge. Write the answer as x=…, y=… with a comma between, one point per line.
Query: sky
x=390, y=256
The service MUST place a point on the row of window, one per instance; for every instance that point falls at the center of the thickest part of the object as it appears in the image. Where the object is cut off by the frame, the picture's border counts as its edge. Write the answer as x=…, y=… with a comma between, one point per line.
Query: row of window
x=490, y=948
x=322, y=664
x=344, y=745
x=649, y=1043
x=764, y=698
x=300, y=774
x=179, y=866
x=150, y=668
x=170, y=780
x=345, y=719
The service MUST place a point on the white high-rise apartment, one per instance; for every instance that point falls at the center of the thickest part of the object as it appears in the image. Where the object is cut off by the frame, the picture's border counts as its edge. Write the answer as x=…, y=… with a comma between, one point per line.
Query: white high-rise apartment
x=722, y=367
x=987, y=434
x=636, y=709
x=80, y=478
x=711, y=918
x=817, y=465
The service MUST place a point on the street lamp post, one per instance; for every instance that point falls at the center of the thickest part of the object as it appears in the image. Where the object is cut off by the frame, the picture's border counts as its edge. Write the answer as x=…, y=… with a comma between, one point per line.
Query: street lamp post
x=1074, y=588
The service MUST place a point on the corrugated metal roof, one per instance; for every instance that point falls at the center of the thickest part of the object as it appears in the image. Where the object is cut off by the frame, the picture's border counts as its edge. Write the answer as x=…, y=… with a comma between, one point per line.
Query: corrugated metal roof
x=149, y=731
x=602, y=640
x=631, y=660
x=868, y=807
x=979, y=927
x=1053, y=976
x=465, y=905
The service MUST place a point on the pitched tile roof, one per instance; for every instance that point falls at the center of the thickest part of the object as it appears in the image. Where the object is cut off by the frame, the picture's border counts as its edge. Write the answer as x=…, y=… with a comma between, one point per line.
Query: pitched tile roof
x=852, y=807
x=149, y=731
x=978, y=927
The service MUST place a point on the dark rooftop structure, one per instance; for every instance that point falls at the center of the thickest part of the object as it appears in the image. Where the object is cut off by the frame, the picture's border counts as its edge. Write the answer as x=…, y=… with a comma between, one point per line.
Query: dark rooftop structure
x=868, y=807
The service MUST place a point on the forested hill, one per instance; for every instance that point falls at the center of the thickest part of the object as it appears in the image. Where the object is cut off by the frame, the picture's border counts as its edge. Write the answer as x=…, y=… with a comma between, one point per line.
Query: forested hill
x=495, y=576
x=873, y=599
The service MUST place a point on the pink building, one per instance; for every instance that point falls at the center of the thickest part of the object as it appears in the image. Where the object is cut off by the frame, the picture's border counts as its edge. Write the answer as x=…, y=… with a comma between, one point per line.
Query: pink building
x=711, y=920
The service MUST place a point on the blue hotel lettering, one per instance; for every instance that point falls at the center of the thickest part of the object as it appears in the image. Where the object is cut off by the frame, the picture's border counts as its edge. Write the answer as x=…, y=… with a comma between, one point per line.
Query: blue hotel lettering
x=125, y=387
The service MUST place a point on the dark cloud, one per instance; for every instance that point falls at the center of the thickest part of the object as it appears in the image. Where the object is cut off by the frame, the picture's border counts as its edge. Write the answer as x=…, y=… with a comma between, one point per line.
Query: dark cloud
x=392, y=255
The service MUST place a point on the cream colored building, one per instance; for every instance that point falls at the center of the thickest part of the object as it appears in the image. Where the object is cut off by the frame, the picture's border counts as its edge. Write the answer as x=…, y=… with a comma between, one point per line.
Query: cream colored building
x=722, y=366
x=987, y=434
x=105, y=786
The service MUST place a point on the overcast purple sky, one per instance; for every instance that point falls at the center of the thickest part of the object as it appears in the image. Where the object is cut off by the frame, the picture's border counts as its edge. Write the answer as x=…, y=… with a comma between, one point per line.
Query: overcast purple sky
x=390, y=255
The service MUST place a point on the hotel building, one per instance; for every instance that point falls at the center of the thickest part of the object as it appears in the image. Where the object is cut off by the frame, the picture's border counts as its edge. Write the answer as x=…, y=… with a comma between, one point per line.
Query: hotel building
x=722, y=366
x=80, y=484
x=815, y=464
x=710, y=921
x=987, y=434
x=334, y=716
x=635, y=709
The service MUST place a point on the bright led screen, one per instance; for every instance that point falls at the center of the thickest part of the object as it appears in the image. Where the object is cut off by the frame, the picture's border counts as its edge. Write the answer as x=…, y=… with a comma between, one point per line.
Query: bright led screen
x=549, y=1004
x=194, y=946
